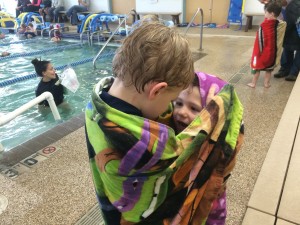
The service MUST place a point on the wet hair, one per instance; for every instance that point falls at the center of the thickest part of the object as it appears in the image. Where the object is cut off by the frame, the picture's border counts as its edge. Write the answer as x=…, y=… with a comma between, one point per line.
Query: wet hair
x=154, y=52
x=195, y=82
x=40, y=66
x=30, y=25
x=274, y=7
x=23, y=25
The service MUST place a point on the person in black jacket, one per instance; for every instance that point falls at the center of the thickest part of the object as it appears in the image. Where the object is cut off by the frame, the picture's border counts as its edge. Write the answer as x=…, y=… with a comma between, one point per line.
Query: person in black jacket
x=49, y=82
x=21, y=5
x=290, y=58
x=44, y=8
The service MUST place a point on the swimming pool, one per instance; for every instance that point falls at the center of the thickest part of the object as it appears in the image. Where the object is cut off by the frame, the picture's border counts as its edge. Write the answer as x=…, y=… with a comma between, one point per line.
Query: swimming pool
x=32, y=123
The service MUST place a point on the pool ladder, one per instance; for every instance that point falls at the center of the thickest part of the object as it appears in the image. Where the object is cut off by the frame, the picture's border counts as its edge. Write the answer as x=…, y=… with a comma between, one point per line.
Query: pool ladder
x=199, y=10
x=111, y=36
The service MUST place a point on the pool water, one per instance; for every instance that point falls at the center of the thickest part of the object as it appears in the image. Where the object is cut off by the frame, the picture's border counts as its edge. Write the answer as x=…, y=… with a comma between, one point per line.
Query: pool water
x=32, y=123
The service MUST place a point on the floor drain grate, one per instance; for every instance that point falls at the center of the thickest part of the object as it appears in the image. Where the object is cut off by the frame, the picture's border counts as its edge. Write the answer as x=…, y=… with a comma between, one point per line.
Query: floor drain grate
x=93, y=217
x=236, y=78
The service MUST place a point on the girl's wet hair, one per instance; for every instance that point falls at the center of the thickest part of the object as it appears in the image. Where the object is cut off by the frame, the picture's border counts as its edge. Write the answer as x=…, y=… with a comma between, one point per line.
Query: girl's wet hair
x=40, y=66
x=195, y=82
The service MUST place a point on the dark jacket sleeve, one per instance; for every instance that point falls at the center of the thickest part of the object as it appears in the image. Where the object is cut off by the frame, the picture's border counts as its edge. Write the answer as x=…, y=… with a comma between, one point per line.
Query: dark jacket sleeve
x=291, y=38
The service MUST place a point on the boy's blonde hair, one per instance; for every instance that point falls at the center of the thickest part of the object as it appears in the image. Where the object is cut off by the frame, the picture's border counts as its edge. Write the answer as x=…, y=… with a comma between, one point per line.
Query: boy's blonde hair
x=154, y=52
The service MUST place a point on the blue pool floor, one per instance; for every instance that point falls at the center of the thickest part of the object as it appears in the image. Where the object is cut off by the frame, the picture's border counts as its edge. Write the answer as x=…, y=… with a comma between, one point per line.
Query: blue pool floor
x=58, y=189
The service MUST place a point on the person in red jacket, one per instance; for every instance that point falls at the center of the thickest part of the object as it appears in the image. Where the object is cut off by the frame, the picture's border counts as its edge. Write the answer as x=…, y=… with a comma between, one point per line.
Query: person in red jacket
x=268, y=44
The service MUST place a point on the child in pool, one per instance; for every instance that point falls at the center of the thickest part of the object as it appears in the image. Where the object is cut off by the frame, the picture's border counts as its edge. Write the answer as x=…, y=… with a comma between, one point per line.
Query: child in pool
x=2, y=35
x=22, y=29
x=3, y=54
x=57, y=34
x=30, y=31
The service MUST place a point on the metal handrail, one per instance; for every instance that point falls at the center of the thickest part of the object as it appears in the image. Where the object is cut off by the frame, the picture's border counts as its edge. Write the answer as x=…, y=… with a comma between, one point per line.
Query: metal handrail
x=92, y=34
x=45, y=96
x=88, y=36
x=44, y=29
x=136, y=16
x=201, y=26
x=50, y=30
x=108, y=40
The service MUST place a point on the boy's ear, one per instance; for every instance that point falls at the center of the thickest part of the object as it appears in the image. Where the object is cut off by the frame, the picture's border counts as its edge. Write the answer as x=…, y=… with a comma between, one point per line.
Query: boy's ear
x=155, y=89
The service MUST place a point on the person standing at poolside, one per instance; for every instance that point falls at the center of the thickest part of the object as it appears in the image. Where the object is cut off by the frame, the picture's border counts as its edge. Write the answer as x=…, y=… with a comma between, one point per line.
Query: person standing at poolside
x=268, y=44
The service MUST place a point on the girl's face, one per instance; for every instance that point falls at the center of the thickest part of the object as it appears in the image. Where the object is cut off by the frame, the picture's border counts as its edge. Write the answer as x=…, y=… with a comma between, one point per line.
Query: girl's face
x=49, y=74
x=186, y=107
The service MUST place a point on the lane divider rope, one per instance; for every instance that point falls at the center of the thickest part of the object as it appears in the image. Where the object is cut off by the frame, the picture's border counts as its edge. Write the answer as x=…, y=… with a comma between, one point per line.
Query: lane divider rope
x=40, y=51
x=34, y=75
x=19, y=42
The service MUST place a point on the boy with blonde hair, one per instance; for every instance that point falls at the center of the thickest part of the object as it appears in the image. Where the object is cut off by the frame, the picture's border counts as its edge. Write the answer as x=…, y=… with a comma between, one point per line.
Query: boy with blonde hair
x=140, y=168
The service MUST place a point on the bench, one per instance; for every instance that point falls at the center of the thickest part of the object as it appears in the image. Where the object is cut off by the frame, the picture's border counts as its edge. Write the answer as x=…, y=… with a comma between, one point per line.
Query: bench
x=250, y=19
x=276, y=194
x=63, y=13
x=175, y=15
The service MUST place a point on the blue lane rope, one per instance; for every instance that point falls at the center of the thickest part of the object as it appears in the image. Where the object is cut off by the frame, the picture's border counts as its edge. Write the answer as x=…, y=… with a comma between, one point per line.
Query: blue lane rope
x=19, y=42
x=40, y=51
x=34, y=75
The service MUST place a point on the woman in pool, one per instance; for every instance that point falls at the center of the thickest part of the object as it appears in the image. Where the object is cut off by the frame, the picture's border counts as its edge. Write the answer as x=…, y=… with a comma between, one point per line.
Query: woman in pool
x=49, y=82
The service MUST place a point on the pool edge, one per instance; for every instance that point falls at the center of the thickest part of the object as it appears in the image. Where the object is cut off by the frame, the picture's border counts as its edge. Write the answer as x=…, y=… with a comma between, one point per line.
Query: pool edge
x=22, y=151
